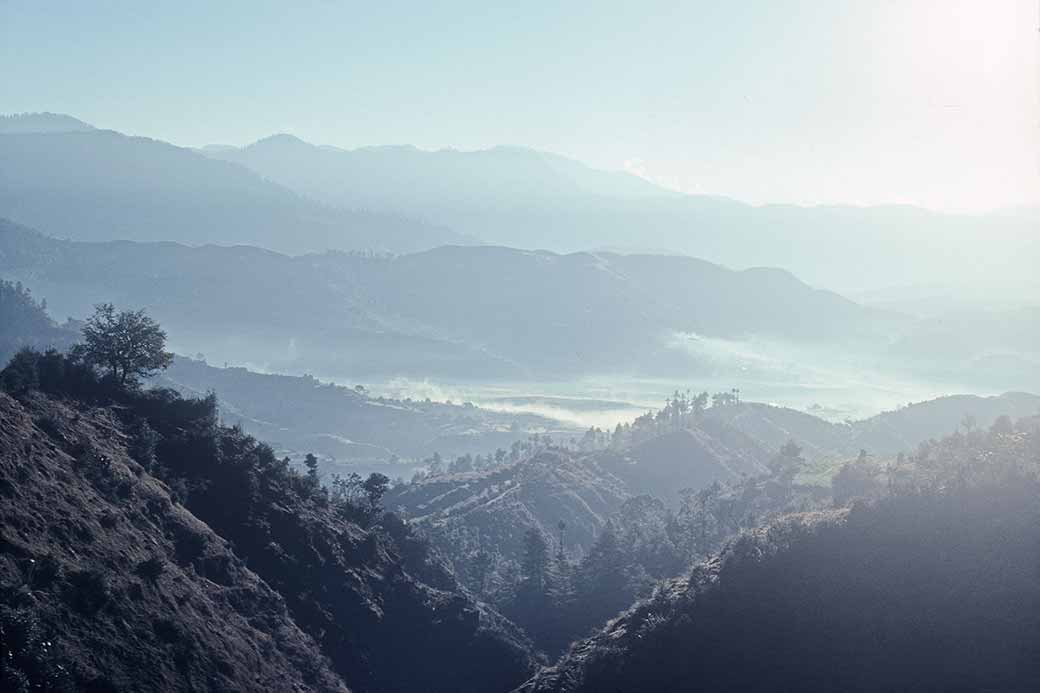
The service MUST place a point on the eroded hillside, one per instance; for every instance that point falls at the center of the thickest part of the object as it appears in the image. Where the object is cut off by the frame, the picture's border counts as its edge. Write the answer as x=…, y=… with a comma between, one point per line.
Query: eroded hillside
x=108, y=584
x=361, y=588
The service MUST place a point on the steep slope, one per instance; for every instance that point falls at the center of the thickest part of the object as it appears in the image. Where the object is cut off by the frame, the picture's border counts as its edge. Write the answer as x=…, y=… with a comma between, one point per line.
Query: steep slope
x=359, y=583
x=102, y=185
x=109, y=585
x=931, y=589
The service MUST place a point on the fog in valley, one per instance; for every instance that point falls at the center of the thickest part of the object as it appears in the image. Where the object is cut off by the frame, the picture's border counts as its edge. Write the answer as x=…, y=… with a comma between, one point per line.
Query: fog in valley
x=520, y=349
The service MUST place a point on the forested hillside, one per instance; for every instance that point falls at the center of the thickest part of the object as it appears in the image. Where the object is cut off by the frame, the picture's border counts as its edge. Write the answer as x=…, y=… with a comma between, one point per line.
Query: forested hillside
x=359, y=583
x=510, y=556
x=929, y=588
x=108, y=584
x=562, y=539
x=656, y=347
x=24, y=322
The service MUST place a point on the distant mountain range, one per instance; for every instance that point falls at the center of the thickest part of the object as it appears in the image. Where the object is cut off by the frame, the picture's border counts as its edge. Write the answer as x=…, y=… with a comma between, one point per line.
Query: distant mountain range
x=68, y=179
x=475, y=310
x=530, y=199
x=78, y=182
x=40, y=123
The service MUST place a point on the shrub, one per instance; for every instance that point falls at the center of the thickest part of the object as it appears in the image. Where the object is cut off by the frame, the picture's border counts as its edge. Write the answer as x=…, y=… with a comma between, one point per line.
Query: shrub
x=27, y=660
x=142, y=444
x=21, y=374
x=87, y=591
x=151, y=568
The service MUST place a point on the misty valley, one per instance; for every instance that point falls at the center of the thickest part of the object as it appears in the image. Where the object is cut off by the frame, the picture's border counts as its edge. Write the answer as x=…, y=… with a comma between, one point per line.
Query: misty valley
x=729, y=382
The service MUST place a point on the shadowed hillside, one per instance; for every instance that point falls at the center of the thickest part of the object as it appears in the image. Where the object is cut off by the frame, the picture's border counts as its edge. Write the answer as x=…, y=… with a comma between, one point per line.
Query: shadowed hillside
x=361, y=584
x=931, y=588
x=108, y=584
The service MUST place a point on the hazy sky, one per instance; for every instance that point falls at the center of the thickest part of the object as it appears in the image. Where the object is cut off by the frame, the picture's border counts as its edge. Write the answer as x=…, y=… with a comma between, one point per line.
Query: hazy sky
x=927, y=102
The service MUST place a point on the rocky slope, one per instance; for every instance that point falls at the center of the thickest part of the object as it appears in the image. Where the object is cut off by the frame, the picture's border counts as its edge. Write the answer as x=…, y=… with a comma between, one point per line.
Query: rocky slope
x=362, y=589
x=107, y=584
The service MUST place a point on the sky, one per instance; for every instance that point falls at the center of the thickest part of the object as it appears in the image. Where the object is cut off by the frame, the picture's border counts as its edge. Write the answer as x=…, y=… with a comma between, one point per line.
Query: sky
x=927, y=102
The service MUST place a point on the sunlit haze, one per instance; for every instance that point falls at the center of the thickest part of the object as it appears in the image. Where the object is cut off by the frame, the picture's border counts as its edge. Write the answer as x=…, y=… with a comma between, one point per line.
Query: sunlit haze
x=925, y=102
x=541, y=347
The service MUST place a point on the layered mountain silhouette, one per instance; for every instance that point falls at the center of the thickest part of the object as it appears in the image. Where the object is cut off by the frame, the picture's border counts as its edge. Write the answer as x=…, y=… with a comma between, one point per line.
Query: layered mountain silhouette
x=87, y=184
x=456, y=309
x=69, y=179
x=530, y=199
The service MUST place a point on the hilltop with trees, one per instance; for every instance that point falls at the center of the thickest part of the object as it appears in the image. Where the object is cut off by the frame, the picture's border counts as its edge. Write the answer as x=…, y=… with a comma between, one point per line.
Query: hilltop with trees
x=356, y=584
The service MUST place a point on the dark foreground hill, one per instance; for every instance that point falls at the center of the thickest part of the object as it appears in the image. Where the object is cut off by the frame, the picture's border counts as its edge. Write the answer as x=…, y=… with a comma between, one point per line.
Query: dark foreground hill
x=364, y=593
x=932, y=588
x=107, y=584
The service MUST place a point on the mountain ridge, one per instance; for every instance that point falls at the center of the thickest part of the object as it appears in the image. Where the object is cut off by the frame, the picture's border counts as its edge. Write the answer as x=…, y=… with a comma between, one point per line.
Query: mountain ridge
x=103, y=185
x=424, y=304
